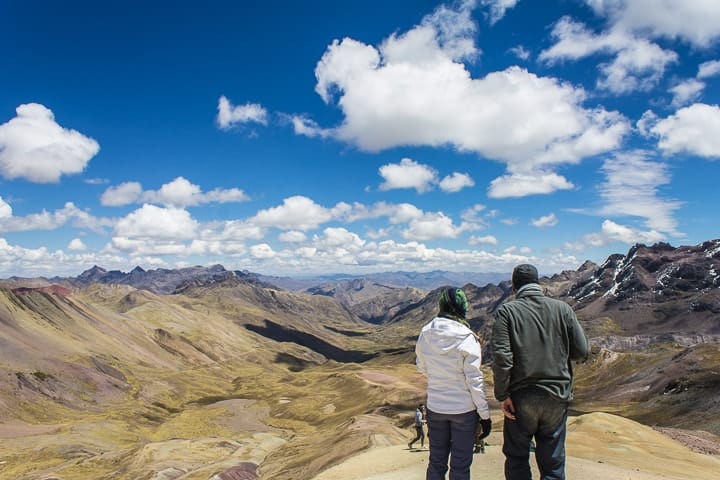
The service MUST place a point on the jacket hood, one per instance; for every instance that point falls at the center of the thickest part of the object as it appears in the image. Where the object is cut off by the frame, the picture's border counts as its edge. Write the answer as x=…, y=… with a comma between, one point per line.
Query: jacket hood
x=444, y=335
x=529, y=289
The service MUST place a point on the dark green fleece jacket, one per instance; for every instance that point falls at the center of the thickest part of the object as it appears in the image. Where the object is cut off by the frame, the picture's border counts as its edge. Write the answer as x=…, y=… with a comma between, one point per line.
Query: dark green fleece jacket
x=534, y=339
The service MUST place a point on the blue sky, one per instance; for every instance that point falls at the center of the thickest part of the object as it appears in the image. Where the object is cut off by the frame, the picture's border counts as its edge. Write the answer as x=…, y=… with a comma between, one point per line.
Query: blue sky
x=299, y=138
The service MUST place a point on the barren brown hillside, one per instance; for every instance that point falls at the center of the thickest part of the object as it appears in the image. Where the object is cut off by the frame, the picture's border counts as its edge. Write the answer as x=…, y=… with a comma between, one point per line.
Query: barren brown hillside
x=112, y=382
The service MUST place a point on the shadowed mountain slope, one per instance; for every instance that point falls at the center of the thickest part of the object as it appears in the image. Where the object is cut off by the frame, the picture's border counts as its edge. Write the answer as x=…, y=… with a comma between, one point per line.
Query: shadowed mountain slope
x=371, y=301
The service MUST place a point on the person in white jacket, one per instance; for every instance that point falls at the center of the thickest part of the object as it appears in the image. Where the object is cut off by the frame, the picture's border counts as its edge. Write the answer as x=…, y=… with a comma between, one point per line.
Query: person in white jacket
x=448, y=353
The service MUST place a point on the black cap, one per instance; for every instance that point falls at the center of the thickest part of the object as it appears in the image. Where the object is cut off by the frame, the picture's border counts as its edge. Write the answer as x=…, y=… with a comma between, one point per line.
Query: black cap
x=524, y=274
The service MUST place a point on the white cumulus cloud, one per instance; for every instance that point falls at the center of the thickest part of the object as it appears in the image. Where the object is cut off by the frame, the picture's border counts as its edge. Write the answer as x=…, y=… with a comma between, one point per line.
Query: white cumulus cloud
x=295, y=213
x=230, y=115
x=76, y=245
x=498, y=8
x=549, y=220
x=432, y=226
x=474, y=213
x=611, y=232
x=484, y=240
x=686, y=92
x=34, y=147
x=622, y=233
x=519, y=185
x=692, y=129
x=5, y=209
x=292, y=236
x=414, y=90
x=307, y=127
x=520, y=52
x=123, y=194
x=235, y=231
x=408, y=174
x=339, y=237
x=695, y=21
x=45, y=220
x=179, y=193
x=709, y=69
x=456, y=182
x=636, y=64
x=150, y=221
x=262, y=251
x=44, y=262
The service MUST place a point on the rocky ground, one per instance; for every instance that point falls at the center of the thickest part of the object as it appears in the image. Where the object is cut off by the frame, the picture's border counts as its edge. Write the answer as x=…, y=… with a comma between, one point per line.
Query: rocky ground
x=697, y=441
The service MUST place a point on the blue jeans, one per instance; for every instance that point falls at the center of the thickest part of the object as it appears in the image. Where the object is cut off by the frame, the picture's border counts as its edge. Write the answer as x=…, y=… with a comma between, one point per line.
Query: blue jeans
x=541, y=416
x=451, y=436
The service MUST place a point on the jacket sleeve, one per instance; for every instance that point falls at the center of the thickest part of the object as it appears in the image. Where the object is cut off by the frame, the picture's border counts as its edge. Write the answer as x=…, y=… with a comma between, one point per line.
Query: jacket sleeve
x=578, y=341
x=419, y=358
x=502, y=355
x=472, y=359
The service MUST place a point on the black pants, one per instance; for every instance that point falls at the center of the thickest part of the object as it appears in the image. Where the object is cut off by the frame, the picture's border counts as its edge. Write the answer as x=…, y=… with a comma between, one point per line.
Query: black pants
x=419, y=436
x=541, y=416
x=451, y=437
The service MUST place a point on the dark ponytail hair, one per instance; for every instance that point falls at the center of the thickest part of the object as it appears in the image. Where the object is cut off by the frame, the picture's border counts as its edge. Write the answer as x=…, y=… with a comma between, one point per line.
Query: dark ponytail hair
x=453, y=304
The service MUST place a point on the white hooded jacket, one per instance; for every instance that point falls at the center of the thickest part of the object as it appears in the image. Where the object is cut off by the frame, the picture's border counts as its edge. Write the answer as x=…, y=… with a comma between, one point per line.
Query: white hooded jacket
x=448, y=353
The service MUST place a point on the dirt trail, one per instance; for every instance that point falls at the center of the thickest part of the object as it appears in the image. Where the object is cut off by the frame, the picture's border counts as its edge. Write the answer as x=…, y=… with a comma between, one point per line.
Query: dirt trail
x=599, y=446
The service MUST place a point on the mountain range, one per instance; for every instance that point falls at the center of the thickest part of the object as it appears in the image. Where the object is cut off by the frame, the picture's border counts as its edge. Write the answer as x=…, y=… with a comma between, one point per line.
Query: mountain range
x=165, y=281
x=204, y=372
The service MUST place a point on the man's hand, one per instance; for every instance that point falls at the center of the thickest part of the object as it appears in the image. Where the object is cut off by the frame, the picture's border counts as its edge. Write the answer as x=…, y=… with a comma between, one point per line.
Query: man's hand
x=508, y=408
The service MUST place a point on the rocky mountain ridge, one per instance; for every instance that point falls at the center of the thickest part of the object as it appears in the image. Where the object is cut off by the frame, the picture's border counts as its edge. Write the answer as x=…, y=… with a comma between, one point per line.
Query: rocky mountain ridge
x=668, y=289
x=161, y=280
x=652, y=273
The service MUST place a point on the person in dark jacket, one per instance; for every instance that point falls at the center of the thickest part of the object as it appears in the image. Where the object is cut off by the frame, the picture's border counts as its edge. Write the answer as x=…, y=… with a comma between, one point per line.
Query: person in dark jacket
x=534, y=340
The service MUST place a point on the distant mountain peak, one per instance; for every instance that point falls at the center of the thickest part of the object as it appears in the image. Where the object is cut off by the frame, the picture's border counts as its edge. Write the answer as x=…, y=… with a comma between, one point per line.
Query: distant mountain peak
x=94, y=269
x=587, y=265
x=92, y=273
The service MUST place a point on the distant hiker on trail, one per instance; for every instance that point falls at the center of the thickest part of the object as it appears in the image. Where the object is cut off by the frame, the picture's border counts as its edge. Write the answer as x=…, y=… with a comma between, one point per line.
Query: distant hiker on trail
x=533, y=342
x=419, y=422
x=448, y=353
